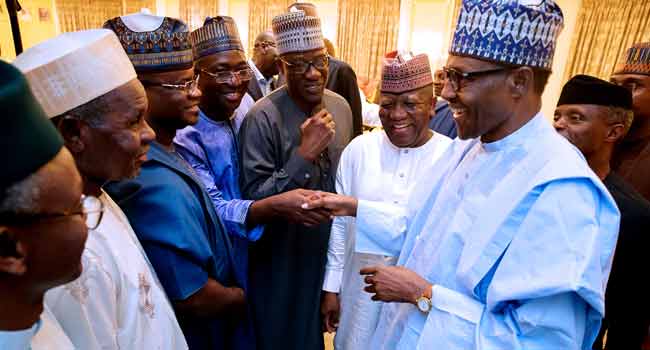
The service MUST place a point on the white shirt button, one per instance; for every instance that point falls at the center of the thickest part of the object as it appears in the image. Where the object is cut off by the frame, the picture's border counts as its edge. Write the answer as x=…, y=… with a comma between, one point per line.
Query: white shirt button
x=401, y=175
x=406, y=151
x=307, y=176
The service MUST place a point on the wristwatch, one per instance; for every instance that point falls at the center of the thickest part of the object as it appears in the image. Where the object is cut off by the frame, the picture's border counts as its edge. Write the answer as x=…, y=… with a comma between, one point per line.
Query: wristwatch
x=424, y=303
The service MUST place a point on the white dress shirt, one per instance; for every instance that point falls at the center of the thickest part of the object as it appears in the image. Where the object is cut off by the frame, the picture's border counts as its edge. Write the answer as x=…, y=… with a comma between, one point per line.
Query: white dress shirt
x=117, y=302
x=46, y=334
x=381, y=176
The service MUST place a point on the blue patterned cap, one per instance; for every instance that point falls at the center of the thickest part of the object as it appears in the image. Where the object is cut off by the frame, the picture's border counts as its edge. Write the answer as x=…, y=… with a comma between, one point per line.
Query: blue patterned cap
x=515, y=32
x=165, y=48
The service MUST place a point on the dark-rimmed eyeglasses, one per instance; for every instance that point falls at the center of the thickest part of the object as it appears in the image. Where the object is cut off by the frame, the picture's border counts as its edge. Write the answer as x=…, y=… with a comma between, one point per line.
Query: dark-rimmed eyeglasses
x=302, y=66
x=186, y=86
x=456, y=77
x=91, y=210
x=224, y=77
x=264, y=45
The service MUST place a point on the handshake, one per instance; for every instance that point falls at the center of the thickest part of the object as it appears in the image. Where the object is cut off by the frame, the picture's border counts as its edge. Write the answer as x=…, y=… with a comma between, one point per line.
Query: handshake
x=311, y=208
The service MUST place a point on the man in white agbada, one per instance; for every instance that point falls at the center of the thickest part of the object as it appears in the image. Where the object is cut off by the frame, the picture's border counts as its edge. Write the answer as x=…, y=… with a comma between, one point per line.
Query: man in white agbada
x=512, y=242
x=376, y=175
x=88, y=87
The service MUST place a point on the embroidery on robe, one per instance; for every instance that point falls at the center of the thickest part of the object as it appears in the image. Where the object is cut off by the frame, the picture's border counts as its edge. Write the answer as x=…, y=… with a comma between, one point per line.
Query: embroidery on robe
x=146, y=306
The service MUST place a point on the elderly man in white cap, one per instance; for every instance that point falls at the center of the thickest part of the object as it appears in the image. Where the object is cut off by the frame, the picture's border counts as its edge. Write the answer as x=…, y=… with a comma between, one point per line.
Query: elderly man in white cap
x=377, y=173
x=89, y=89
x=511, y=244
x=292, y=139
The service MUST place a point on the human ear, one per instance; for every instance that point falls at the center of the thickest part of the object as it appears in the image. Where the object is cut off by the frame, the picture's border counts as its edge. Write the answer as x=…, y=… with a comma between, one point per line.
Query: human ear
x=71, y=130
x=12, y=253
x=615, y=132
x=520, y=81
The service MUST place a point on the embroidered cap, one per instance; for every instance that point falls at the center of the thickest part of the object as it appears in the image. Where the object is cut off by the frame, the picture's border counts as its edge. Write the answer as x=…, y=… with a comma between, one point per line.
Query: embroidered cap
x=74, y=68
x=165, y=47
x=516, y=32
x=218, y=34
x=402, y=72
x=588, y=90
x=297, y=32
x=635, y=60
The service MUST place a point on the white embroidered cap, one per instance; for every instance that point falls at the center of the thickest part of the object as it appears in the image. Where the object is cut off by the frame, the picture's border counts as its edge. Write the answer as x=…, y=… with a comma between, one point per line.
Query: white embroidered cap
x=296, y=32
x=74, y=68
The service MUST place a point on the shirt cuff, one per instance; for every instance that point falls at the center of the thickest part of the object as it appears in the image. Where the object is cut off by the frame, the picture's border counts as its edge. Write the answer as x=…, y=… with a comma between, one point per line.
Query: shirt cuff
x=332, y=282
x=380, y=228
x=455, y=303
x=299, y=169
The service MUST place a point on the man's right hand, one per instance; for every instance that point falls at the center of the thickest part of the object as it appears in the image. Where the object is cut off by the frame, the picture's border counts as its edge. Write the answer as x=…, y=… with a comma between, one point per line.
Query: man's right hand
x=290, y=205
x=337, y=204
x=317, y=132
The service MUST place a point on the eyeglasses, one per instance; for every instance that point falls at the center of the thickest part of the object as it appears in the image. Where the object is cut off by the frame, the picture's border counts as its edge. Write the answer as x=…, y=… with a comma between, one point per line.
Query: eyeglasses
x=225, y=77
x=265, y=45
x=456, y=77
x=302, y=66
x=186, y=86
x=92, y=211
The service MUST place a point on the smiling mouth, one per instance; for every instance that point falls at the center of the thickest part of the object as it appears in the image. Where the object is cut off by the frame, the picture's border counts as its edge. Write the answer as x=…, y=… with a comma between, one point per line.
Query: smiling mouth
x=233, y=96
x=400, y=126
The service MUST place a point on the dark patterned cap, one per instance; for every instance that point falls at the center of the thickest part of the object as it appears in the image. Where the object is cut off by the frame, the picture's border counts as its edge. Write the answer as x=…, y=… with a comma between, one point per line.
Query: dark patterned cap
x=217, y=34
x=165, y=48
x=635, y=60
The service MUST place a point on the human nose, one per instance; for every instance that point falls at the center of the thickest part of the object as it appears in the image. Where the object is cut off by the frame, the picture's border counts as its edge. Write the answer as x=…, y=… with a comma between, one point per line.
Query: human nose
x=312, y=73
x=147, y=135
x=559, y=123
x=448, y=91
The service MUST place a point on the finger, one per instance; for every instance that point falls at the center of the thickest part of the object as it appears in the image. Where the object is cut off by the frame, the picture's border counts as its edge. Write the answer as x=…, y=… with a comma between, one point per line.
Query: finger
x=314, y=203
x=331, y=125
x=317, y=216
x=305, y=124
x=327, y=118
x=370, y=289
x=375, y=297
x=322, y=113
x=368, y=270
x=369, y=279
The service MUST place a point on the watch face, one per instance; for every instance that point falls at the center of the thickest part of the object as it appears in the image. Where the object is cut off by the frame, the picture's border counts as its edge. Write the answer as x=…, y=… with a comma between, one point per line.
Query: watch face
x=423, y=305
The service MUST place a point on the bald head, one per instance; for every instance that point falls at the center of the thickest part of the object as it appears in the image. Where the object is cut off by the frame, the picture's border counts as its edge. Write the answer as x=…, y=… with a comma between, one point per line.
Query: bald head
x=265, y=54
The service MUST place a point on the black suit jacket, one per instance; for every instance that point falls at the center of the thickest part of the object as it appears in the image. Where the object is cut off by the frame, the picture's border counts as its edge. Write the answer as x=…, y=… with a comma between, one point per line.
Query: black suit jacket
x=255, y=91
x=342, y=80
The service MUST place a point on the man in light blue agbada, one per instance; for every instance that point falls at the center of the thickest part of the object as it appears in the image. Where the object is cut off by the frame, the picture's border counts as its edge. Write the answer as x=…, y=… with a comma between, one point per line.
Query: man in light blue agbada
x=512, y=239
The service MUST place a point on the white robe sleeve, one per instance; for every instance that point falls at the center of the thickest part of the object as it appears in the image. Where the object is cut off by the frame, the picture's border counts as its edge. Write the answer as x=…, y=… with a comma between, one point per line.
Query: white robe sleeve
x=87, y=308
x=554, y=322
x=336, y=246
x=380, y=228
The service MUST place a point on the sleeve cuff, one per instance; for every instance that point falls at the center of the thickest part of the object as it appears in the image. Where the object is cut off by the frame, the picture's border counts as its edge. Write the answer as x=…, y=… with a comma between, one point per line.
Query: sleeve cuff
x=299, y=169
x=380, y=228
x=456, y=303
x=332, y=282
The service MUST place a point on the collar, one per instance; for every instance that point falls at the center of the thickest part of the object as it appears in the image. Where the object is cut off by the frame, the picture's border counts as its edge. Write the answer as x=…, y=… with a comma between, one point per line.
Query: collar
x=258, y=74
x=520, y=136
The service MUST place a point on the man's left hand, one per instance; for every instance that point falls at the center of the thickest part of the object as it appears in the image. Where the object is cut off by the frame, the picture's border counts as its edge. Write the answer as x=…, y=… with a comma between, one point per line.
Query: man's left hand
x=394, y=284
